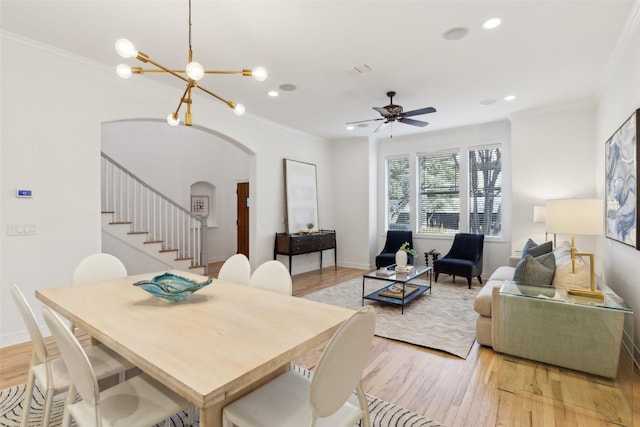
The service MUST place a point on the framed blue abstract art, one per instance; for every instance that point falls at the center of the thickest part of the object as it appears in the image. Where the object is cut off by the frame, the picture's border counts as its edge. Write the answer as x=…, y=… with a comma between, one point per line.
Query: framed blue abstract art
x=621, y=172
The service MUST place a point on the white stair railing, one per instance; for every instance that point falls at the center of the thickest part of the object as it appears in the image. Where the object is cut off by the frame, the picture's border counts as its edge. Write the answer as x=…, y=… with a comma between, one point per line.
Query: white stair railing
x=149, y=211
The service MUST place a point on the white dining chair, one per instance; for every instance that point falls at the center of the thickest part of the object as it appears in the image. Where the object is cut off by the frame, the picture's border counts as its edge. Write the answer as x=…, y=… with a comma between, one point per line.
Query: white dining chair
x=236, y=269
x=50, y=372
x=139, y=401
x=272, y=276
x=98, y=267
x=293, y=400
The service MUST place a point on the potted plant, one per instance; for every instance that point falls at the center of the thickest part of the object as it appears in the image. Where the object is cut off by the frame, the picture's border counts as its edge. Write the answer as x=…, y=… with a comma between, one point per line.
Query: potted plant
x=309, y=227
x=401, y=255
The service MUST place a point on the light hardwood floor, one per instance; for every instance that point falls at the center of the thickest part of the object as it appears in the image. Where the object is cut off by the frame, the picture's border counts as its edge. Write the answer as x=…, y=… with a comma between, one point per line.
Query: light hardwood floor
x=445, y=388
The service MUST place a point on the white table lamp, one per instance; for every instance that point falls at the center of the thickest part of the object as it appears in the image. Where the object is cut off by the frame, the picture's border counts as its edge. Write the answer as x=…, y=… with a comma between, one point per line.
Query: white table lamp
x=540, y=215
x=577, y=216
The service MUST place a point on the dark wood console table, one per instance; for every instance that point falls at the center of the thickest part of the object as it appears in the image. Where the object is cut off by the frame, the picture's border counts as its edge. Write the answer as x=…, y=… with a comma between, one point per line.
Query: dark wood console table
x=304, y=243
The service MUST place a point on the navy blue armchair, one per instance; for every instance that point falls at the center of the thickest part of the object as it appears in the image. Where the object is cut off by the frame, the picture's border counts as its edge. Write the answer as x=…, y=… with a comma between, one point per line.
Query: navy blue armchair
x=463, y=259
x=395, y=239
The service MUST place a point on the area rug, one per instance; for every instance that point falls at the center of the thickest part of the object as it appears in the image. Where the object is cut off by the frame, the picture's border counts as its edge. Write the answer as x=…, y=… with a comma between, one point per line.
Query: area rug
x=443, y=320
x=383, y=414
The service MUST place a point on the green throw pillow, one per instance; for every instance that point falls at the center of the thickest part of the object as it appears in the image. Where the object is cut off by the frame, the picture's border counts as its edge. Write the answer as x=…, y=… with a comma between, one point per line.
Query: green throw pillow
x=535, y=271
x=535, y=250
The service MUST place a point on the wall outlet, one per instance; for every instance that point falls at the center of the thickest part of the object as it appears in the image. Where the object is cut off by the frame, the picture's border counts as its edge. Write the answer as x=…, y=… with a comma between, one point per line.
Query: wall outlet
x=26, y=229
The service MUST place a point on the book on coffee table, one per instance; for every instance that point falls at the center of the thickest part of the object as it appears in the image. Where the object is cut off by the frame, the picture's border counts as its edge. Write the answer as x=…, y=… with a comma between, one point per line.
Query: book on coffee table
x=385, y=272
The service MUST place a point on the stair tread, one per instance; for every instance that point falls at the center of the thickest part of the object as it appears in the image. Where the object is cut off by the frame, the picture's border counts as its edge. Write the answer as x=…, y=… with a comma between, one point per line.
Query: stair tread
x=121, y=222
x=138, y=232
x=154, y=241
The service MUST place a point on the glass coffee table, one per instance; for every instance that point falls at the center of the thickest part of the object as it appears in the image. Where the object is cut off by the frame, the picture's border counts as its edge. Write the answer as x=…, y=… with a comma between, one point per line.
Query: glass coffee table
x=400, y=290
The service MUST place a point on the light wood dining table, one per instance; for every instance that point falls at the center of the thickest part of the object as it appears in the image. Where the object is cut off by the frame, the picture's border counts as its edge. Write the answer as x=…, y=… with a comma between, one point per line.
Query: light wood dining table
x=217, y=345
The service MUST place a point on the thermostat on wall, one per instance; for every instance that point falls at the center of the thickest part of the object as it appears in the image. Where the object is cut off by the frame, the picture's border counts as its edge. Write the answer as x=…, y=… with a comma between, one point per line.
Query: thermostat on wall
x=24, y=193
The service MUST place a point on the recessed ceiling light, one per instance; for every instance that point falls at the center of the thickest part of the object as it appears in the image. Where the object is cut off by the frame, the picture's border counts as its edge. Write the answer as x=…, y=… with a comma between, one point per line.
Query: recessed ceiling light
x=350, y=127
x=488, y=101
x=509, y=97
x=491, y=23
x=273, y=93
x=288, y=87
x=455, y=33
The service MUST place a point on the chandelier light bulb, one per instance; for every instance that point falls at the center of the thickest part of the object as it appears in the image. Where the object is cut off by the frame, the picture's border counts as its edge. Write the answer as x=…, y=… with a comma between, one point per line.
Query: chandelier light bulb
x=173, y=119
x=239, y=109
x=195, y=70
x=126, y=49
x=123, y=71
x=260, y=74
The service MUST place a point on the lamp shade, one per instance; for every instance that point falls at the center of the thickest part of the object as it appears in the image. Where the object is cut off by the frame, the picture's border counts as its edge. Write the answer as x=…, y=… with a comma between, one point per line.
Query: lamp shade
x=539, y=214
x=575, y=216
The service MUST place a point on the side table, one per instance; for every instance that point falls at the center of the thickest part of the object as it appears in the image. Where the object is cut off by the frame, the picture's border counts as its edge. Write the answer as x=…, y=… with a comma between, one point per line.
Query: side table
x=434, y=258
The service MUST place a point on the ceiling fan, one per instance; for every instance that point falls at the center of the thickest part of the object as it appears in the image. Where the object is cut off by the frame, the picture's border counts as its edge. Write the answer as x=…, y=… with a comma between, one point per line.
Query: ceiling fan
x=394, y=113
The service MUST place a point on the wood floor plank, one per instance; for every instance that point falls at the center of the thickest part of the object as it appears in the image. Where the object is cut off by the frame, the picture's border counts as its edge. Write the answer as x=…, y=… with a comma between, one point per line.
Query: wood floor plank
x=456, y=392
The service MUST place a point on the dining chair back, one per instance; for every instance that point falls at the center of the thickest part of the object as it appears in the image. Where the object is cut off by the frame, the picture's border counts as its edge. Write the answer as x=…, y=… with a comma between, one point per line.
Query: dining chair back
x=97, y=267
x=272, y=276
x=339, y=371
x=139, y=401
x=236, y=269
x=294, y=400
x=51, y=373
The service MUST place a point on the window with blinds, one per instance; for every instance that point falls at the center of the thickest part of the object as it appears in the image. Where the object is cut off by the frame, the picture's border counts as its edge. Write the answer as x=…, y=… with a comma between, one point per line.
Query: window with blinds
x=398, y=197
x=439, y=192
x=485, y=191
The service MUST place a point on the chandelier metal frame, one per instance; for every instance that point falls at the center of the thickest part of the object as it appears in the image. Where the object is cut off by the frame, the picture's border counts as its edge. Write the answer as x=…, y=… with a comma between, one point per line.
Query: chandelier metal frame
x=190, y=75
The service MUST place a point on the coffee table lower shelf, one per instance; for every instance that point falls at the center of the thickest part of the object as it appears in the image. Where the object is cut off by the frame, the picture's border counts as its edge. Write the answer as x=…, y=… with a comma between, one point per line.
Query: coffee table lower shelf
x=375, y=296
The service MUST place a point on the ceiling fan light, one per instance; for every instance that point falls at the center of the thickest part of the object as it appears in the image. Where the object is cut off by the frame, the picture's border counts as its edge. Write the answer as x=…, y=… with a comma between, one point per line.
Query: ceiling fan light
x=239, y=109
x=124, y=71
x=195, y=70
x=173, y=119
x=259, y=73
x=126, y=49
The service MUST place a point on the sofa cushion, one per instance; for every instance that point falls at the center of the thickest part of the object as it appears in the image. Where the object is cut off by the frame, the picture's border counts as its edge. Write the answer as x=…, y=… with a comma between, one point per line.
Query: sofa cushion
x=535, y=271
x=482, y=301
x=502, y=273
x=534, y=249
x=564, y=275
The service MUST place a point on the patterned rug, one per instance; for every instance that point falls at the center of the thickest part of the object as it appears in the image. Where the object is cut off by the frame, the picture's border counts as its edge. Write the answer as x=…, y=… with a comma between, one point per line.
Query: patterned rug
x=383, y=414
x=443, y=320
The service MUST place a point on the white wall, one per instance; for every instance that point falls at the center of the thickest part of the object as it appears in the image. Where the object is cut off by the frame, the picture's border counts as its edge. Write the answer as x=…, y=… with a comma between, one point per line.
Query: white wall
x=51, y=129
x=619, y=97
x=352, y=200
x=552, y=158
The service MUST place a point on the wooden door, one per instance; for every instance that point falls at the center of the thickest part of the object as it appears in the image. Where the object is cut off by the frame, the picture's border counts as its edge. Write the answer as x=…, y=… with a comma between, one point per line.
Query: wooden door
x=242, y=196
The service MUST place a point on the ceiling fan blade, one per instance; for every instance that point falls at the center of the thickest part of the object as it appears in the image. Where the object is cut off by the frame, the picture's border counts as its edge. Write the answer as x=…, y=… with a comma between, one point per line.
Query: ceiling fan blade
x=382, y=111
x=419, y=112
x=362, y=121
x=413, y=122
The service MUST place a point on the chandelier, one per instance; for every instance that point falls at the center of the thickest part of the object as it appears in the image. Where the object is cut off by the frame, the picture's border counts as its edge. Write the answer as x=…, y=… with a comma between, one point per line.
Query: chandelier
x=191, y=75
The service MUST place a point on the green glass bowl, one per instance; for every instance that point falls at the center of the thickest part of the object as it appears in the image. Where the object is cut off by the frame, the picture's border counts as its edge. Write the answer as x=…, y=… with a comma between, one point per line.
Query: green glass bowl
x=171, y=287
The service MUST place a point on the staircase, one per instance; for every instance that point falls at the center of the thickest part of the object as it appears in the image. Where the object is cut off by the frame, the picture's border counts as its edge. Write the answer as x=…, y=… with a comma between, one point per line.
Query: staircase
x=142, y=218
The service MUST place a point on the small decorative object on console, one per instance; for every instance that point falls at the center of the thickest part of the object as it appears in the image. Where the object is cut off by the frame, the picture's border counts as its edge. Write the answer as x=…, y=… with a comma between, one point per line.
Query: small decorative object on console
x=171, y=287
